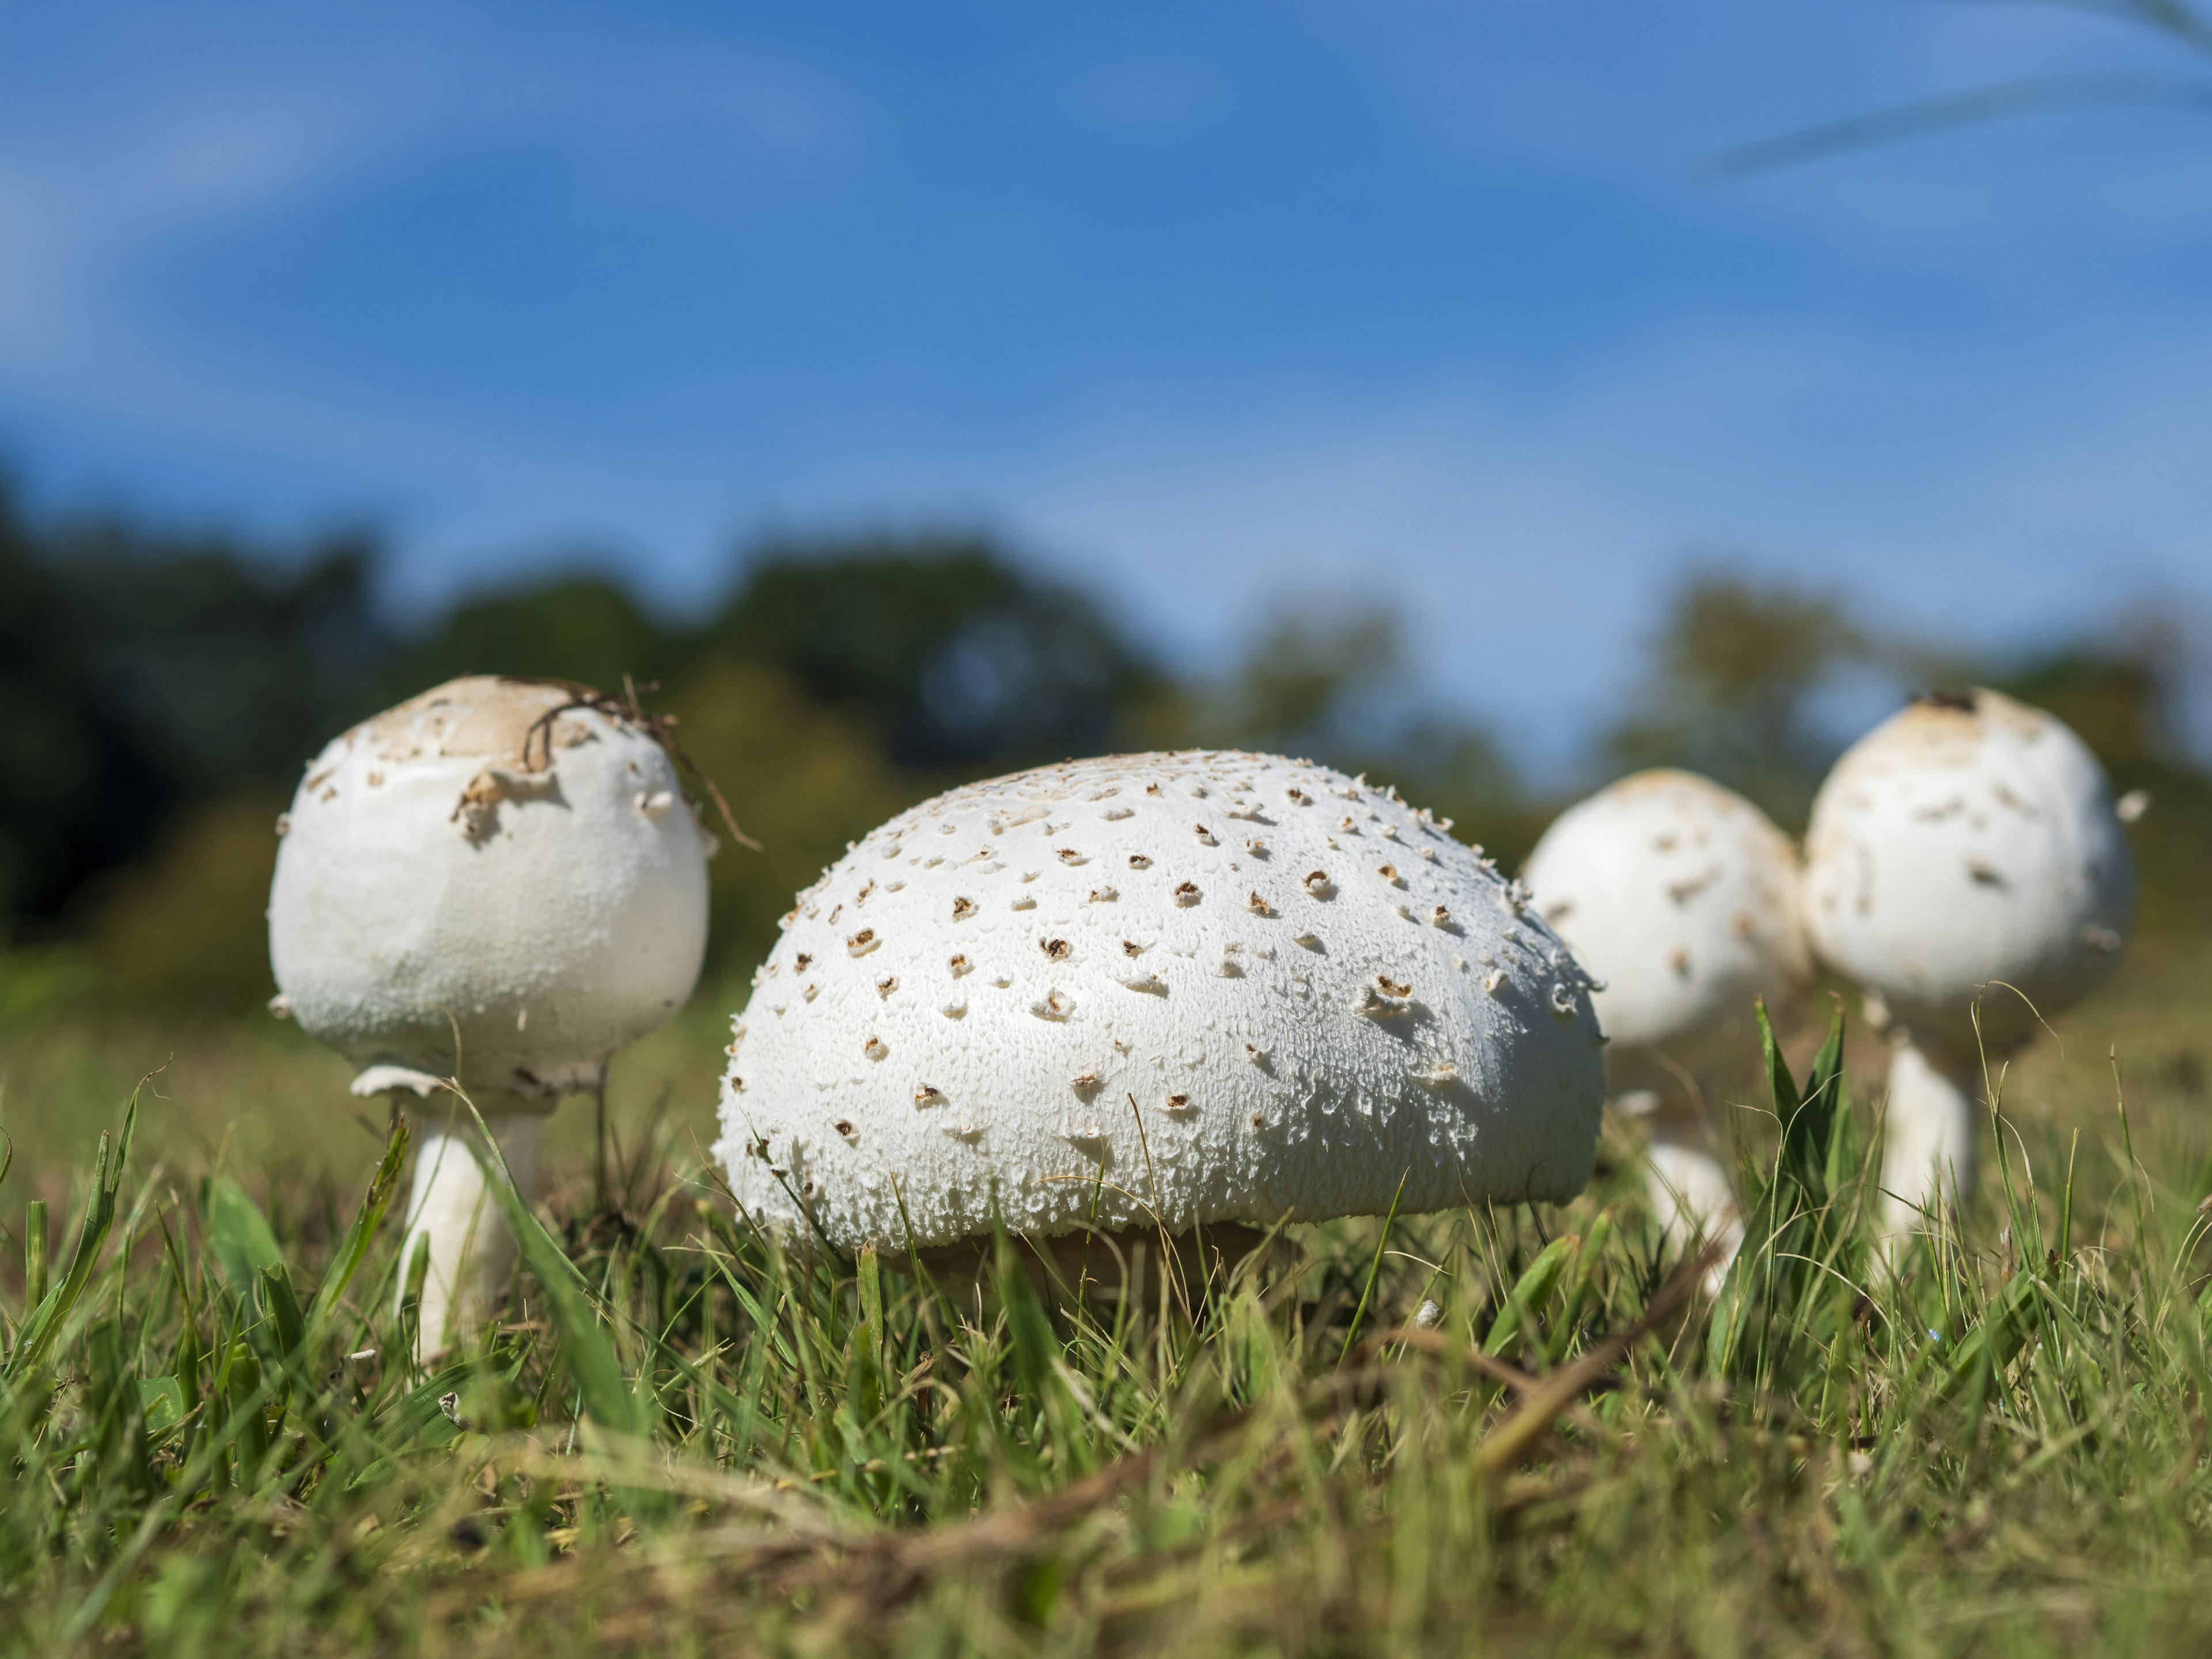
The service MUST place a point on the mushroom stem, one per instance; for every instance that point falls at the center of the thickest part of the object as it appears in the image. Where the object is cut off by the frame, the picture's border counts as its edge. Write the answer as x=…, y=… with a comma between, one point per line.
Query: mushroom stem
x=1690, y=1194
x=1928, y=1147
x=472, y=1248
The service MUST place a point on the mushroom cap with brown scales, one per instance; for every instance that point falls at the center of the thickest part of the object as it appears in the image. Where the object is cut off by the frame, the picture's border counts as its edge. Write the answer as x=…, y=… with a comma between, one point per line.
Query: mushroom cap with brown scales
x=1968, y=842
x=1681, y=898
x=1157, y=990
x=508, y=864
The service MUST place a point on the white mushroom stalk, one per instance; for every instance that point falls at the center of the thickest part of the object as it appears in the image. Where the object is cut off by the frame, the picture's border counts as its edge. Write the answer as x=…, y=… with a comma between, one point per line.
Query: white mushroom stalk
x=1157, y=991
x=499, y=882
x=1966, y=865
x=1681, y=898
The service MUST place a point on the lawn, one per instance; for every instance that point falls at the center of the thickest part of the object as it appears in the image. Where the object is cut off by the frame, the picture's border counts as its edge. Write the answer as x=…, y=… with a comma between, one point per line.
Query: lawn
x=685, y=1438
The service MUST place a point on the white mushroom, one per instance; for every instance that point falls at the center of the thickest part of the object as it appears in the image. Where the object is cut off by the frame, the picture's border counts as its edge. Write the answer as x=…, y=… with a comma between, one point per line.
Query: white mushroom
x=1681, y=896
x=496, y=881
x=1235, y=1039
x=1967, y=866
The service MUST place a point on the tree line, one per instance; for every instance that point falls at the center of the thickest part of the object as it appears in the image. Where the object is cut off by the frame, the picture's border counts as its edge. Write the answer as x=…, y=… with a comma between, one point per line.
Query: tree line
x=164, y=690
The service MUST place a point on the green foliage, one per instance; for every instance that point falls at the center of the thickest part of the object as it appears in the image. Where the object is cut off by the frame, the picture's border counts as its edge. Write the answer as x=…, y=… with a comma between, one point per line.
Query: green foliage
x=942, y=645
x=570, y=627
x=688, y=1436
x=2122, y=696
x=801, y=780
x=1737, y=668
x=184, y=926
x=1335, y=685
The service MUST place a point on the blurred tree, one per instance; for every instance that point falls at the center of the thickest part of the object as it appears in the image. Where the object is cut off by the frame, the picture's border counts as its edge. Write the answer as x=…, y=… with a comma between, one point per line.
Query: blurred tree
x=572, y=628
x=959, y=659
x=229, y=665
x=801, y=780
x=183, y=926
x=75, y=780
x=1335, y=683
x=2121, y=694
x=1737, y=666
x=1314, y=682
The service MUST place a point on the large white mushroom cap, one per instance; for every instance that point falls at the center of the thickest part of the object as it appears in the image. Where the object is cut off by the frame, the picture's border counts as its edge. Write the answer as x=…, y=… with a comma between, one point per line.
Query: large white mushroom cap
x=1681, y=898
x=1966, y=841
x=1198, y=988
x=495, y=860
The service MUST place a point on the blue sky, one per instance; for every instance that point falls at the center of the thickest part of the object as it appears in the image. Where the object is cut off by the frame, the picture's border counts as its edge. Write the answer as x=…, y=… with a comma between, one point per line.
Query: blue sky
x=1209, y=306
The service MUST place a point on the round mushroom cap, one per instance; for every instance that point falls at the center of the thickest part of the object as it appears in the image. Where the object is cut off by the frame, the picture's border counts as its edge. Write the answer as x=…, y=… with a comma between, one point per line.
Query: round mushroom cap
x=1166, y=990
x=1681, y=896
x=1966, y=840
x=498, y=862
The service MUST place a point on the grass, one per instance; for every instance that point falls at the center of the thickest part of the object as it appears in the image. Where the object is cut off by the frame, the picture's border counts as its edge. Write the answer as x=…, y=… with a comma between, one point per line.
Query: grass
x=684, y=1439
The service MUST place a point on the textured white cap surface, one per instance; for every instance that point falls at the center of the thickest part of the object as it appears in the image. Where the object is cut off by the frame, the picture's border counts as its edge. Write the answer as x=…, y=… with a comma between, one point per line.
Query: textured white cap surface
x=1208, y=987
x=1681, y=896
x=1968, y=839
x=485, y=859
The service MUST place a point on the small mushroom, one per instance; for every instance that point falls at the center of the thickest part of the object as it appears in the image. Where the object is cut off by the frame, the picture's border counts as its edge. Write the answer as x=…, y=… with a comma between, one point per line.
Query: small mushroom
x=518, y=900
x=1464, y=1095
x=1967, y=866
x=1681, y=897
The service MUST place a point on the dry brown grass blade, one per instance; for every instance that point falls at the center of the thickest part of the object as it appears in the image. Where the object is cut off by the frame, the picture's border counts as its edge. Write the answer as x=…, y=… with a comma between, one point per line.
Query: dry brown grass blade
x=1436, y=1343
x=627, y=708
x=1512, y=1437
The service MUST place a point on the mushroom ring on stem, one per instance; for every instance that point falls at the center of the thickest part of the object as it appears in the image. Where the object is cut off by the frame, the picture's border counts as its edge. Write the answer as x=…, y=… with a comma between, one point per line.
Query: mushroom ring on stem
x=1965, y=866
x=499, y=881
x=1157, y=991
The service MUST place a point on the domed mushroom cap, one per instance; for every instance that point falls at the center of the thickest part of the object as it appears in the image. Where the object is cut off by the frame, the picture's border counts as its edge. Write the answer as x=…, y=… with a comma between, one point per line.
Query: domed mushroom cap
x=490, y=856
x=1968, y=839
x=1207, y=986
x=1681, y=897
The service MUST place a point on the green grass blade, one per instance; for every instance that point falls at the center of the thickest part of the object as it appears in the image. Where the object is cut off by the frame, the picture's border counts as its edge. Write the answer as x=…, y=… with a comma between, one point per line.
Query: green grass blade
x=45, y=1321
x=353, y=1249
x=592, y=1363
x=238, y=1235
